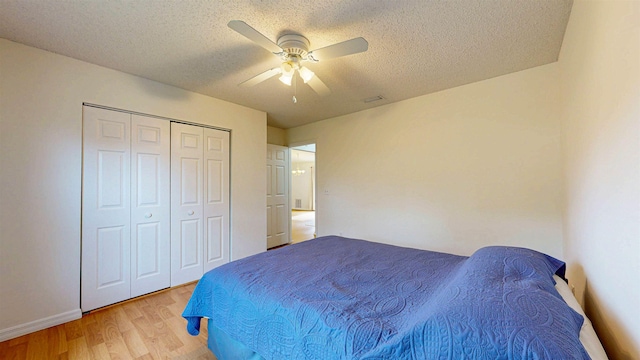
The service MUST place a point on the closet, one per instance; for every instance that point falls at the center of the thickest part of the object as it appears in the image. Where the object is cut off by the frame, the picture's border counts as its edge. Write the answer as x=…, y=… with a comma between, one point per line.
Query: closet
x=155, y=204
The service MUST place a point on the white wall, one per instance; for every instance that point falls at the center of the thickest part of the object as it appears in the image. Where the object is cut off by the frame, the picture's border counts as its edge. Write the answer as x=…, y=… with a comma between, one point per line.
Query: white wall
x=600, y=67
x=41, y=96
x=452, y=171
x=276, y=136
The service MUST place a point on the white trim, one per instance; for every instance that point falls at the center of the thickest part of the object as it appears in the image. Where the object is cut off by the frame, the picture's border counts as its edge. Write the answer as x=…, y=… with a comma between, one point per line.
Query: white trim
x=40, y=324
x=154, y=116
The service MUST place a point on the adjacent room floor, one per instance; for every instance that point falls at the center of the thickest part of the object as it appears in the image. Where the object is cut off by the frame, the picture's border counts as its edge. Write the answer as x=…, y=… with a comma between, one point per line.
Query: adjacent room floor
x=303, y=225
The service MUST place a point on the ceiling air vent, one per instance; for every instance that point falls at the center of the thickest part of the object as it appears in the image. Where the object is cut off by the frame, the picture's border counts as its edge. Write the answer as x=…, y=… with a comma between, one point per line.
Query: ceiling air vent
x=372, y=99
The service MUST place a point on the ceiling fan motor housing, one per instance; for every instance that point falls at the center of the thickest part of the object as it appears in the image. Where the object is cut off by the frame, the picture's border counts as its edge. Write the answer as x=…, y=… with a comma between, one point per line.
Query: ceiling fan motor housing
x=294, y=44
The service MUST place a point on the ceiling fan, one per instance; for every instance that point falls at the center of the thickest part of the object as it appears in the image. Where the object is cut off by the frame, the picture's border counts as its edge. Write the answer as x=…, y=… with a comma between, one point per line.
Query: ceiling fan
x=293, y=50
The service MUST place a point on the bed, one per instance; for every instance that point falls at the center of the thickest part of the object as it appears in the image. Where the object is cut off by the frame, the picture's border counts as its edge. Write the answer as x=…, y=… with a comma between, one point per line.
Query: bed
x=340, y=298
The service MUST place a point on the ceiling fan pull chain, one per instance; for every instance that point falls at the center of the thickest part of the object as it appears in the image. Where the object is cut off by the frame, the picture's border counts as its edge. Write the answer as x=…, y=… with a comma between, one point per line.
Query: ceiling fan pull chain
x=295, y=89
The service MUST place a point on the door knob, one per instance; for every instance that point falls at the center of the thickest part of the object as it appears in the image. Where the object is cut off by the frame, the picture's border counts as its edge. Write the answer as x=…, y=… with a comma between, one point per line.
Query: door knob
x=190, y=212
x=148, y=215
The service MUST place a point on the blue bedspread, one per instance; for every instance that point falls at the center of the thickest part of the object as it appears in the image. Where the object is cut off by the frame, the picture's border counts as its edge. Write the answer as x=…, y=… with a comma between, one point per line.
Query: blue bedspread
x=338, y=298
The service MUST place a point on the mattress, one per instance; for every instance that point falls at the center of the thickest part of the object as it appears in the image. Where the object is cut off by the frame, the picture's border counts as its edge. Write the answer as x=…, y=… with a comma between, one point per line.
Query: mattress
x=588, y=336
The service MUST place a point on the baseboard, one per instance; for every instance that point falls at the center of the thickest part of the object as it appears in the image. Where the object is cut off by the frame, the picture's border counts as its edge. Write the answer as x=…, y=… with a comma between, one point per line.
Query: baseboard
x=26, y=328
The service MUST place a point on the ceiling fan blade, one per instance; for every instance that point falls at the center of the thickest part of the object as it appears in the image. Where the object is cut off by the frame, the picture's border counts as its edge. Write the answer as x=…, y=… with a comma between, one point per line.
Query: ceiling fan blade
x=261, y=77
x=344, y=48
x=252, y=34
x=318, y=86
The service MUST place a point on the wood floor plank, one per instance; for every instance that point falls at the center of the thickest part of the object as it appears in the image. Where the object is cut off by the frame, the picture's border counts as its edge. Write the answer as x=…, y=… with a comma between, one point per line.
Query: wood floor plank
x=143, y=327
x=176, y=309
x=100, y=352
x=131, y=309
x=109, y=326
x=146, y=356
x=146, y=328
x=163, y=298
x=164, y=312
x=57, y=341
x=117, y=349
x=37, y=347
x=168, y=338
x=134, y=343
x=179, y=324
x=73, y=329
x=93, y=334
x=122, y=320
x=4, y=346
x=150, y=313
x=78, y=349
x=16, y=352
x=18, y=340
x=155, y=349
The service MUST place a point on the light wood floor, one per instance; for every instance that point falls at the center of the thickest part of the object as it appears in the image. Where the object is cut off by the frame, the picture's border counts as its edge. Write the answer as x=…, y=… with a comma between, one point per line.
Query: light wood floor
x=303, y=225
x=150, y=327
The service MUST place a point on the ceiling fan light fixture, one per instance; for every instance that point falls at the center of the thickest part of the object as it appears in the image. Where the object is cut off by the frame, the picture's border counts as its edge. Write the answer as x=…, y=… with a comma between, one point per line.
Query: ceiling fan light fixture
x=287, y=73
x=287, y=68
x=306, y=74
x=286, y=78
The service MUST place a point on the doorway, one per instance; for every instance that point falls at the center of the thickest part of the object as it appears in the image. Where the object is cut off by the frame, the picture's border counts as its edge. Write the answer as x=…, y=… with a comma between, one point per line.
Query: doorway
x=303, y=193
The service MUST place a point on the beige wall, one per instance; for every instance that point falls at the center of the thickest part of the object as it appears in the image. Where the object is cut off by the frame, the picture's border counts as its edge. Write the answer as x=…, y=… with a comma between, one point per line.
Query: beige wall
x=41, y=96
x=302, y=184
x=276, y=136
x=452, y=171
x=600, y=67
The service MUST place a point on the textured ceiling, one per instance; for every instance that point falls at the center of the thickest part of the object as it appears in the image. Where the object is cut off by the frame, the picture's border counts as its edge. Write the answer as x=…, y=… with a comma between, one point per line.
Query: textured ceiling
x=416, y=47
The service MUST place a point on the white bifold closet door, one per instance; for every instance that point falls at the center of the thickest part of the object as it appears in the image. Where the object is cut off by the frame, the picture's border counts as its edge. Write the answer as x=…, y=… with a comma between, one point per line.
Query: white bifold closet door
x=199, y=201
x=150, y=205
x=125, y=206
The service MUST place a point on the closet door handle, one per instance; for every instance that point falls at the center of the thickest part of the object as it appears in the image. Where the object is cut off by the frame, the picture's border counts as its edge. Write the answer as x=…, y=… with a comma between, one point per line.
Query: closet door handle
x=148, y=215
x=190, y=212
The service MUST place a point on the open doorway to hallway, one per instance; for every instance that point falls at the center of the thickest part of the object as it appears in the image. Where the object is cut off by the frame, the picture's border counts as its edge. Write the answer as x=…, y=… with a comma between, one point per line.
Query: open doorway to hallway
x=303, y=193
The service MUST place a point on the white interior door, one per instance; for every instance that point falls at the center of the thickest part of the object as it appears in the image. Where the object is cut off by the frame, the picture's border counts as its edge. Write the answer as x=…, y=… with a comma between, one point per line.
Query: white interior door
x=150, y=205
x=186, y=203
x=216, y=195
x=105, y=208
x=278, y=213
